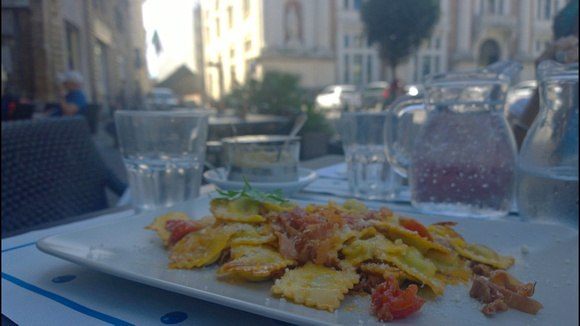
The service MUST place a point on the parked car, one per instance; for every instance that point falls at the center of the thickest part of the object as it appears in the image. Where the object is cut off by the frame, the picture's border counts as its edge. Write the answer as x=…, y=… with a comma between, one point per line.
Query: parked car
x=374, y=94
x=338, y=97
x=161, y=99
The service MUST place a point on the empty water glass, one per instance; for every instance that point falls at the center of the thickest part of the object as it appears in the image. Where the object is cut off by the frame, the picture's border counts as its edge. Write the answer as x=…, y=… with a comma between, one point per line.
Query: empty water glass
x=164, y=152
x=369, y=174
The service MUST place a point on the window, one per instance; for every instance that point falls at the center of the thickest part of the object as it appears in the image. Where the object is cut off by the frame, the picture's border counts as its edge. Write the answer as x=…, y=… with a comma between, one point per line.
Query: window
x=119, y=20
x=494, y=7
x=544, y=9
x=346, y=41
x=357, y=4
x=233, y=78
x=232, y=53
x=357, y=69
x=72, y=46
x=217, y=27
x=248, y=45
x=138, y=60
x=346, y=68
x=230, y=17
x=437, y=43
x=246, y=8
x=547, y=9
x=437, y=68
x=426, y=67
x=345, y=4
x=369, y=68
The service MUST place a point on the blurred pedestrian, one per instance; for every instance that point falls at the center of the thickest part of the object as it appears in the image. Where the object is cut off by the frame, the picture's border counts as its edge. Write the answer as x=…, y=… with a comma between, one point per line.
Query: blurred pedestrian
x=564, y=50
x=73, y=101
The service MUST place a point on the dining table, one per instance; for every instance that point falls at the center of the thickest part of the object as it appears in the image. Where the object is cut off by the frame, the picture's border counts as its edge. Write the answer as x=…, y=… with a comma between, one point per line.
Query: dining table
x=40, y=289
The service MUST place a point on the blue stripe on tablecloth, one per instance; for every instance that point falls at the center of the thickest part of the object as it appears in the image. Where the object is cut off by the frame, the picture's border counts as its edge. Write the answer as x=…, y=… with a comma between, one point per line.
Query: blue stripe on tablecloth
x=18, y=247
x=62, y=300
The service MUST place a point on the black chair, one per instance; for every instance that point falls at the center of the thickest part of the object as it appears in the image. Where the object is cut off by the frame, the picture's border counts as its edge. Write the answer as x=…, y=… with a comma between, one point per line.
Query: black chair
x=51, y=170
x=92, y=115
x=23, y=112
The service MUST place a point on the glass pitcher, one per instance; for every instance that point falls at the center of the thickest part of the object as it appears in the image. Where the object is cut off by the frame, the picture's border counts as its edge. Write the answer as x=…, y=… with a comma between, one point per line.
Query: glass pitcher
x=547, y=187
x=462, y=160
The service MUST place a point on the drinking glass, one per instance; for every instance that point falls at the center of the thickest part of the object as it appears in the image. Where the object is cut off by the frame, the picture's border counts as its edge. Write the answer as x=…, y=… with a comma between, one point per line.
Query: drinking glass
x=164, y=153
x=547, y=188
x=369, y=173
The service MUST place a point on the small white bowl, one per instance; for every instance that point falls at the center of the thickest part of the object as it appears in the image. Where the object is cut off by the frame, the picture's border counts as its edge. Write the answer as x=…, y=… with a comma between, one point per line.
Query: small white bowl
x=218, y=178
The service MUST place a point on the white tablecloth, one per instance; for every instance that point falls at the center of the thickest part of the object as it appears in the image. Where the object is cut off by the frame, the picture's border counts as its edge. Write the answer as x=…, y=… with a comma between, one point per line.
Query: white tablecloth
x=39, y=289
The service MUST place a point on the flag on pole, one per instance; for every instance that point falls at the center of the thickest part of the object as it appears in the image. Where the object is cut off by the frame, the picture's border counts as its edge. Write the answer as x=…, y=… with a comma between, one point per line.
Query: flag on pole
x=157, y=43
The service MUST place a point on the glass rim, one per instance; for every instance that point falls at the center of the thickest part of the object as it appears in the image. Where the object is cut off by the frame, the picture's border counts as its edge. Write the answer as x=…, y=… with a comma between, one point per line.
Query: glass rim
x=171, y=113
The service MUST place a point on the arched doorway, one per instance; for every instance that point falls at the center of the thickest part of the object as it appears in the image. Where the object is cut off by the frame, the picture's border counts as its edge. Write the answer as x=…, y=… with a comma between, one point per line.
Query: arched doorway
x=489, y=52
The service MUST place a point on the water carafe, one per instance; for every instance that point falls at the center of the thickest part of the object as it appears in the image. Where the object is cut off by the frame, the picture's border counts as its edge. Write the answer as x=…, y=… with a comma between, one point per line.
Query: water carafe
x=547, y=187
x=462, y=161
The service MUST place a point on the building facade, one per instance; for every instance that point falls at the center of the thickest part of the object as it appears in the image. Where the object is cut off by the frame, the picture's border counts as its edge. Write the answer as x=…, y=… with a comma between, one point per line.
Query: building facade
x=324, y=42
x=102, y=39
x=469, y=33
x=244, y=39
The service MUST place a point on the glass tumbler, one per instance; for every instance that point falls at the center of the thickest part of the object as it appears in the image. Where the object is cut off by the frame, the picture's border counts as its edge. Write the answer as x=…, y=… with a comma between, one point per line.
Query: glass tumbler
x=368, y=171
x=164, y=153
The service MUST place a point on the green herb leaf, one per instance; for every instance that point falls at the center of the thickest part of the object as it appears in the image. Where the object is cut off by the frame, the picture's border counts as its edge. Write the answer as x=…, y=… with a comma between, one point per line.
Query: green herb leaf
x=247, y=191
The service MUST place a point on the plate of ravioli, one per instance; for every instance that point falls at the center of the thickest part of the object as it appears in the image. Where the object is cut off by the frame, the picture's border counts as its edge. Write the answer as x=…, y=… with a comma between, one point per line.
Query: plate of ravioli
x=348, y=262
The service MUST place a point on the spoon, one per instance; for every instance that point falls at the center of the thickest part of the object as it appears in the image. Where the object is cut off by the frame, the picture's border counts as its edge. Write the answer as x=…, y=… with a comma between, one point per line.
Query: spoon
x=298, y=124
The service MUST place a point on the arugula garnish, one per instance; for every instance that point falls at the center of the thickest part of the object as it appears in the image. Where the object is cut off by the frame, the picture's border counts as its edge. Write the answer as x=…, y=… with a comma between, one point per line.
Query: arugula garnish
x=247, y=191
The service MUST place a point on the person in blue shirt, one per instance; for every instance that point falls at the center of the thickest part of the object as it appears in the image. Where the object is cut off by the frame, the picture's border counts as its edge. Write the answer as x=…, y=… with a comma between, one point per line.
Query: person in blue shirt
x=73, y=101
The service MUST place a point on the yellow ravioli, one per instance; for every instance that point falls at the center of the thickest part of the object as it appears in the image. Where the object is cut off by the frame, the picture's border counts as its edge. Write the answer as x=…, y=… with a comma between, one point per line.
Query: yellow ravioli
x=316, y=286
x=451, y=265
x=368, y=248
x=481, y=254
x=199, y=249
x=411, y=238
x=254, y=263
x=418, y=267
x=158, y=225
x=250, y=234
x=239, y=210
x=384, y=270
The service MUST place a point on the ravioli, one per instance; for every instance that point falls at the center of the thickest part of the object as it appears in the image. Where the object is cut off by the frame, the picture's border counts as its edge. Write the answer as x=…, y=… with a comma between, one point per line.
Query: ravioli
x=451, y=265
x=158, y=225
x=239, y=210
x=384, y=270
x=481, y=254
x=393, y=232
x=369, y=248
x=253, y=263
x=199, y=249
x=316, y=286
x=250, y=234
x=417, y=266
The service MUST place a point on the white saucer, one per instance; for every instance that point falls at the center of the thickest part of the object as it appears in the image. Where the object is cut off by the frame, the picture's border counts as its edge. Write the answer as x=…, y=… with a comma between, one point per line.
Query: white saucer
x=217, y=177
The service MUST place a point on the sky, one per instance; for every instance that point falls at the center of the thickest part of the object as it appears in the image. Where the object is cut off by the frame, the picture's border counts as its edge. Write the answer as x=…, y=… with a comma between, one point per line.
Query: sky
x=173, y=21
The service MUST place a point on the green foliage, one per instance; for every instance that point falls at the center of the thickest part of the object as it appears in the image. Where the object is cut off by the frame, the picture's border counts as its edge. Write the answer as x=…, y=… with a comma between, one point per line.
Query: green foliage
x=399, y=26
x=248, y=192
x=277, y=93
x=316, y=122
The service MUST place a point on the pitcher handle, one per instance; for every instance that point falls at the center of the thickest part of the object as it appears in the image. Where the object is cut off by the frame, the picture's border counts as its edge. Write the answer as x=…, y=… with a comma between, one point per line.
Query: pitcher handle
x=399, y=138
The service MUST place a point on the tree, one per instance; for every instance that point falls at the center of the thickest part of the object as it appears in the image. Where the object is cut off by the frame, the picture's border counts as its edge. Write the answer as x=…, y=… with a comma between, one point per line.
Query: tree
x=277, y=93
x=398, y=27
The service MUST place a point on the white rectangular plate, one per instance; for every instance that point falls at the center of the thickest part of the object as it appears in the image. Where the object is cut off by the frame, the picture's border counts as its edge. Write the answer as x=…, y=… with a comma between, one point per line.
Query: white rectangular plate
x=127, y=250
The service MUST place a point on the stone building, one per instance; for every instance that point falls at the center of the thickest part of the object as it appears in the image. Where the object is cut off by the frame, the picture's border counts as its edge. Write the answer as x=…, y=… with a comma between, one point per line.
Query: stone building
x=469, y=33
x=324, y=42
x=102, y=39
x=245, y=38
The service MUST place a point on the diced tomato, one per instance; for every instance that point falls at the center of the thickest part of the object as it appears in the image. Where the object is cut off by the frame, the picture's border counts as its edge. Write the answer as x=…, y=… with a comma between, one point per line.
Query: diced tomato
x=180, y=228
x=412, y=225
x=389, y=302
